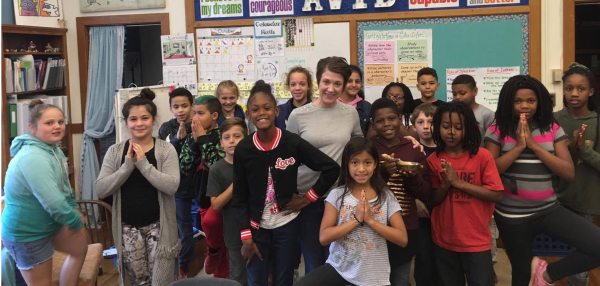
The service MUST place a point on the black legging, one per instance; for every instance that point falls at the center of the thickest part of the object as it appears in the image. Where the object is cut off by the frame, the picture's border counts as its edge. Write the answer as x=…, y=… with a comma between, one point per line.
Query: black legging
x=560, y=224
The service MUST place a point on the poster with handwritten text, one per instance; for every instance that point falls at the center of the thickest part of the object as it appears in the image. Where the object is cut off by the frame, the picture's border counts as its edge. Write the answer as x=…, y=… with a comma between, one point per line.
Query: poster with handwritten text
x=489, y=82
x=379, y=52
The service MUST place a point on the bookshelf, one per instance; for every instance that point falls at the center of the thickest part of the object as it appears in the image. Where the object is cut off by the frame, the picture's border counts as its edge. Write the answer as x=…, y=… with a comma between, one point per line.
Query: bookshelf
x=19, y=37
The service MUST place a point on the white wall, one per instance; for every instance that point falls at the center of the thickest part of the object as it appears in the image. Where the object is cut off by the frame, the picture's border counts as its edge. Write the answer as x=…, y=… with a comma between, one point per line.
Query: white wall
x=552, y=49
x=552, y=46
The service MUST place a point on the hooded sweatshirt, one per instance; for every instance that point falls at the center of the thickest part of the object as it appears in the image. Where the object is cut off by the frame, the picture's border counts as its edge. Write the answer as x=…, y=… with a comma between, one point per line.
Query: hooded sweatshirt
x=39, y=199
x=169, y=129
x=582, y=193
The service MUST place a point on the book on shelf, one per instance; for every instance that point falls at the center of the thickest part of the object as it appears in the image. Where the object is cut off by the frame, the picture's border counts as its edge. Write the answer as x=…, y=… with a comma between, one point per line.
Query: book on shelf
x=18, y=109
x=24, y=73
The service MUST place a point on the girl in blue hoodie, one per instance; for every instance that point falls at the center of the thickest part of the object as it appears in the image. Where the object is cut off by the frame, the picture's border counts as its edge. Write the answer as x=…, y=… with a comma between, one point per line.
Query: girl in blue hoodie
x=41, y=213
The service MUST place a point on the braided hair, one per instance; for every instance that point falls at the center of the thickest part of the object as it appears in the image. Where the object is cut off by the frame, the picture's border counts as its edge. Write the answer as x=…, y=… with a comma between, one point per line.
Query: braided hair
x=471, y=136
x=506, y=118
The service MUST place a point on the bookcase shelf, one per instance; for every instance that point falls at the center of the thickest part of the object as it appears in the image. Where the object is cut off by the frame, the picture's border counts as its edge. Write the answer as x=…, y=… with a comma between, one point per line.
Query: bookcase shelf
x=18, y=37
x=36, y=91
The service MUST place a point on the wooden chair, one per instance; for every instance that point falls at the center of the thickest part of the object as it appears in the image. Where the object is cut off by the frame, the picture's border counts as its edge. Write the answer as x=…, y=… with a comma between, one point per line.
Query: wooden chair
x=99, y=222
x=91, y=265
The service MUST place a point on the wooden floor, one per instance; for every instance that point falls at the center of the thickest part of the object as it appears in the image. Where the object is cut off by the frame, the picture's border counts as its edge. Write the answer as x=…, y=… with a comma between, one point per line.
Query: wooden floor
x=110, y=277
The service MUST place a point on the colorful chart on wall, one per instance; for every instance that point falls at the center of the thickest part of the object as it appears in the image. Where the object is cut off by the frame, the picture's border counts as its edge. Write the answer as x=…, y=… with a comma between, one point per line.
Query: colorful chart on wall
x=480, y=42
x=226, y=57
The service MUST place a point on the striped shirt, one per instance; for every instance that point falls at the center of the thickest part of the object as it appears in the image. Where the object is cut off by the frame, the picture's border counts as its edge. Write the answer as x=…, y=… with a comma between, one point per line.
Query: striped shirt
x=528, y=184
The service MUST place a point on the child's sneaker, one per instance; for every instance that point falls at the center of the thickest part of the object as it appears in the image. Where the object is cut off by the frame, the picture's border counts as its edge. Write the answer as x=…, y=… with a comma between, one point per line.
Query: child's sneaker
x=213, y=260
x=538, y=267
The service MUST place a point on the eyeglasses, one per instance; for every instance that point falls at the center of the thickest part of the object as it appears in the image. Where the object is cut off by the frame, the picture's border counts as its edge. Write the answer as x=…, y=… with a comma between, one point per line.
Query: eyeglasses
x=395, y=97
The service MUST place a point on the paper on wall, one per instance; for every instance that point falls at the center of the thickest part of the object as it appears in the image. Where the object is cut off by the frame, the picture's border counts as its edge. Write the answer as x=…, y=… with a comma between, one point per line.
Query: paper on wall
x=489, y=82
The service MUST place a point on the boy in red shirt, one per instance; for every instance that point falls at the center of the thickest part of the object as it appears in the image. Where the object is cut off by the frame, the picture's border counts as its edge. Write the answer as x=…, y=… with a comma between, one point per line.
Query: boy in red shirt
x=466, y=185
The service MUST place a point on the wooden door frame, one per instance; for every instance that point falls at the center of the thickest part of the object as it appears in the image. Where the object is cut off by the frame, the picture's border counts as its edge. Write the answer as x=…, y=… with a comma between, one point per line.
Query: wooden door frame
x=568, y=33
x=83, y=25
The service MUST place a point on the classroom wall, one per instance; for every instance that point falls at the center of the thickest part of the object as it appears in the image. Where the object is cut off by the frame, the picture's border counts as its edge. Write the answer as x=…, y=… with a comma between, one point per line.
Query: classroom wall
x=175, y=8
x=551, y=49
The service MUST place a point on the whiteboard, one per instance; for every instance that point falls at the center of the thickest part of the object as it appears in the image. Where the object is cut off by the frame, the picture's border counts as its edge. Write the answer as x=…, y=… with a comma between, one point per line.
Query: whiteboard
x=162, y=105
x=331, y=39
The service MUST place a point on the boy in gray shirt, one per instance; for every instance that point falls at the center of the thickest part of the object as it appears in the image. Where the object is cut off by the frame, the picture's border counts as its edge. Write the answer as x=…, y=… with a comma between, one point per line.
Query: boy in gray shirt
x=220, y=191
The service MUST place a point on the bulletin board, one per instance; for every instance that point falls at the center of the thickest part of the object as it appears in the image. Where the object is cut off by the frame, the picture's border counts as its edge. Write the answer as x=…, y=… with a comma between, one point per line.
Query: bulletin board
x=459, y=42
x=326, y=43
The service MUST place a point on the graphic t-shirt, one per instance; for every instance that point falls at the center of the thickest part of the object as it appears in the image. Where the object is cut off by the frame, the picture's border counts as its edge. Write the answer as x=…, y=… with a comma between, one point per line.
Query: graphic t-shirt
x=460, y=222
x=361, y=257
x=272, y=216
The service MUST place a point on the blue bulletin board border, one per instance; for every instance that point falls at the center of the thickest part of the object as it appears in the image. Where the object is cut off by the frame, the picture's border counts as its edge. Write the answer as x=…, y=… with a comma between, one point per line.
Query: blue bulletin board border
x=346, y=8
x=430, y=23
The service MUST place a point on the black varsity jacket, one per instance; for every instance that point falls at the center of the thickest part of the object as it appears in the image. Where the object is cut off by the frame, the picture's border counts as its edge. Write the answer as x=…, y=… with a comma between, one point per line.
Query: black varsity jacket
x=252, y=161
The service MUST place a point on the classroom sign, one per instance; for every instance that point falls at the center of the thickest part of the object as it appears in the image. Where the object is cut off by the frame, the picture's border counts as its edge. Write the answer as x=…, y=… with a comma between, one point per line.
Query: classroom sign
x=268, y=28
x=428, y=4
x=489, y=82
x=377, y=75
x=379, y=52
x=261, y=8
x=221, y=8
x=491, y=2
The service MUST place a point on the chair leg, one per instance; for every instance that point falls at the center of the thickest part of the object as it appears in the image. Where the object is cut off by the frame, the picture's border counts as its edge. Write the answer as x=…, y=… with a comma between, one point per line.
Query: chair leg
x=100, y=271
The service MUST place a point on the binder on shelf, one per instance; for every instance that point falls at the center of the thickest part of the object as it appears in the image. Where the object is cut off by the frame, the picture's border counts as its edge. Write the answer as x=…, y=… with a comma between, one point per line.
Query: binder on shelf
x=12, y=120
x=8, y=75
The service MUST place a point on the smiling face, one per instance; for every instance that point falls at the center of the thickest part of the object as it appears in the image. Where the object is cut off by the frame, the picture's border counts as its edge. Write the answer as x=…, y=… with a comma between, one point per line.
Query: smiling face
x=354, y=84
x=423, y=125
x=577, y=91
x=386, y=123
x=331, y=87
x=263, y=111
x=526, y=101
x=181, y=108
x=298, y=86
x=140, y=122
x=361, y=167
x=451, y=130
x=50, y=128
x=427, y=85
x=228, y=99
x=231, y=138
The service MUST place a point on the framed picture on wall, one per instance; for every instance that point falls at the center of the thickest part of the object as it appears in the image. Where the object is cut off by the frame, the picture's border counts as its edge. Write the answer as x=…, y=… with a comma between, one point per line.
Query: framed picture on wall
x=86, y=6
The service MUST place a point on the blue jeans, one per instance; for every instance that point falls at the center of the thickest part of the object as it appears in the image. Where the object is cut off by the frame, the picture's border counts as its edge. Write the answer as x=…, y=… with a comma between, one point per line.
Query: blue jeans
x=314, y=253
x=274, y=244
x=183, y=211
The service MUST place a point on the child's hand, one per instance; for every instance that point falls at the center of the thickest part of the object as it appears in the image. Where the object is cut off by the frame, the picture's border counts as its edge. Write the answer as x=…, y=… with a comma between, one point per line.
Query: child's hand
x=416, y=144
x=389, y=163
x=450, y=175
x=368, y=216
x=422, y=210
x=197, y=128
x=296, y=203
x=411, y=174
x=249, y=249
x=521, y=136
x=130, y=154
x=181, y=133
x=359, y=212
x=138, y=151
x=531, y=144
x=581, y=138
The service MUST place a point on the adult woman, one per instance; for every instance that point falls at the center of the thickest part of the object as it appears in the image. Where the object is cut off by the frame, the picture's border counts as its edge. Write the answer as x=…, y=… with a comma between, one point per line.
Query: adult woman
x=40, y=213
x=142, y=175
x=354, y=95
x=328, y=125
